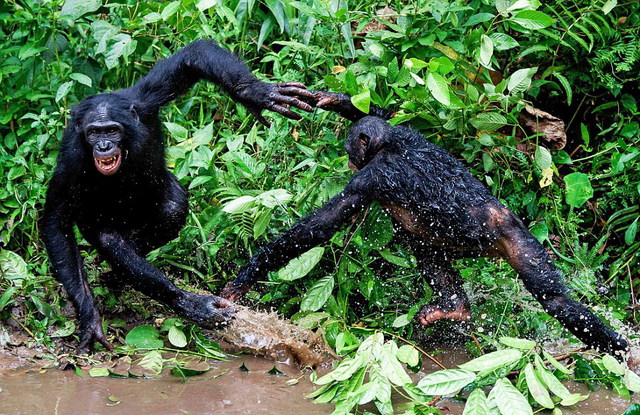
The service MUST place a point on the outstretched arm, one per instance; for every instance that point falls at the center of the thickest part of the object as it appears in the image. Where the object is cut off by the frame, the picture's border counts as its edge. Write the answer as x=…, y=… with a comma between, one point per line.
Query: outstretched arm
x=310, y=232
x=204, y=59
x=341, y=103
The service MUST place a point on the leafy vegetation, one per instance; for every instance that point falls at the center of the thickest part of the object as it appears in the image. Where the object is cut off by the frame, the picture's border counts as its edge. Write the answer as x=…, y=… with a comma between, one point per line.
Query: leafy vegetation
x=462, y=72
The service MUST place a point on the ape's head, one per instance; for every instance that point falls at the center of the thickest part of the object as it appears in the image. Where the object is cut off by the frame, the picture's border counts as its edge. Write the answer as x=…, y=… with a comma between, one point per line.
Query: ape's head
x=105, y=121
x=366, y=138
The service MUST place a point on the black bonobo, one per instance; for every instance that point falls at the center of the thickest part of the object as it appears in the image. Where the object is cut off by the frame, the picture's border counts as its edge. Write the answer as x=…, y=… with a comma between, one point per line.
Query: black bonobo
x=447, y=214
x=112, y=182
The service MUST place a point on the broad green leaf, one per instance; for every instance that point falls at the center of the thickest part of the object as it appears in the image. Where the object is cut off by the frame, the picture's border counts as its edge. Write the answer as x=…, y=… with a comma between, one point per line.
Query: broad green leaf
x=12, y=266
x=274, y=197
x=536, y=388
x=190, y=366
x=515, y=343
x=437, y=85
x=177, y=337
x=317, y=295
x=82, y=78
x=634, y=409
x=63, y=90
x=488, y=121
x=612, y=365
x=77, y=8
x=178, y=132
x=479, y=18
x=206, y=4
x=573, y=399
x=170, y=9
x=552, y=383
x=123, y=47
x=7, y=296
x=486, y=50
x=445, y=382
x=409, y=355
x=578, y=189
x=630, y=233
x=493, y=360
x=476, y=403
x=509, y=399
x=520, y=80
x=362, y=101
x=239, y=205
x=532, y=19
x=152, y=362
x=608, y=6
x=391, y=366
x=555, y=363
x=400, y=321
x=543, y=158
x=345, y=370
x=566, y=85
x=96, y=372
x=202, y=136
x=502, y=41
x=144, y=337
x=302, y=265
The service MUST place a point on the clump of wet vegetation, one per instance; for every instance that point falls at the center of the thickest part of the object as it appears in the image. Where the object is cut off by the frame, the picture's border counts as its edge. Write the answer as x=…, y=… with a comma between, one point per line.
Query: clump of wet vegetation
x=539, y=100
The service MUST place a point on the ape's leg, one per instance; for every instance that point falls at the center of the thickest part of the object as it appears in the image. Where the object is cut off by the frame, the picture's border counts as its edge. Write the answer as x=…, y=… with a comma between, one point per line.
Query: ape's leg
x=534, y=266
x=452, y=302
x=122, y=254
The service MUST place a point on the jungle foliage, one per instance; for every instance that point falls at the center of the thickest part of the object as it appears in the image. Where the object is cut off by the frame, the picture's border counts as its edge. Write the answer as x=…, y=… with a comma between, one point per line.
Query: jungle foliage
x=462, y=72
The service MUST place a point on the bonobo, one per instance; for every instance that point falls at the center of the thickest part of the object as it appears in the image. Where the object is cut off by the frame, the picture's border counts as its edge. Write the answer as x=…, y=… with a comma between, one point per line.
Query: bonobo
x=112, y=182
x=447, y=213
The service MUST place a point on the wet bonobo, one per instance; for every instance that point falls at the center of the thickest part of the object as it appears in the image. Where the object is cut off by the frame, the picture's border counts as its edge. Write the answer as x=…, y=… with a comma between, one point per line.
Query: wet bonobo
x=446, y=212
x=111, y=181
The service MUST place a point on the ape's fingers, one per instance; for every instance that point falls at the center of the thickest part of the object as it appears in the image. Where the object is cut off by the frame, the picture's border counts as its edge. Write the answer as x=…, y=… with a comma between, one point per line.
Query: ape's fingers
x=256, y=113
x=287, y=113
x=293, y=83
x=292, y=90
x=220, y=302
x=285, y=99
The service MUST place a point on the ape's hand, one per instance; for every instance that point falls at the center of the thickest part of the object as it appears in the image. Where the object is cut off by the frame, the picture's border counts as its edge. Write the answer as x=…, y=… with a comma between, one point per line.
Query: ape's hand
x=90, y=332
x=208, y=311
x=278, y=97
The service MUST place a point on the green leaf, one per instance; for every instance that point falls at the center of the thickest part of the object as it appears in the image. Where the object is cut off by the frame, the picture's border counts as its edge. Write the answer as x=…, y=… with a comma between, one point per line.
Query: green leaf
x=536, y=388
x=144, y=337
x=63, y=90
x=630, y=233
x=177, y=337
x=12, y=266
x=476, y=404
x=634, y=409
x=502, y=41
x=399, y=321
x=488, y=121
x=239, y=205
x=509, y=399
x=409, y=355
x=578, y=189
x=522, y=344
x=573, y=399
x=7, y=296
x=362, y=101
x=178, y=132
x=77, y=8
x=152, y=362
x=520, y=80
x=552, y=383
x=479, y=18
x=437, y=85
x=612, y=365
x=555, y=363
x=318, y=295
x=391, y=367
x=302, y=265
x=532, y=19
x=445, y=382
x=206, y=4
x=493, y=360
x=566, y=85
x=486, y=50
x=97, y=372
x=82, y=78
x=343, y=371
x=631, y=381
x=170, y=9
x=609, y=5
x=543, y=158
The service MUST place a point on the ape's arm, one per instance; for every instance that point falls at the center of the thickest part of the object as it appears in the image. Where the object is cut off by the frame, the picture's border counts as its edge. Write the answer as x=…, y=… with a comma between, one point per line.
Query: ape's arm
x=310, y=232
x=204, y=59
x=59, y=239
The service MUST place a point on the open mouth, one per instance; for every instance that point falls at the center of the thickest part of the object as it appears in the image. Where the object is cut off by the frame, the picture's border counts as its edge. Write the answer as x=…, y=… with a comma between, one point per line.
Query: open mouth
x=108, y=165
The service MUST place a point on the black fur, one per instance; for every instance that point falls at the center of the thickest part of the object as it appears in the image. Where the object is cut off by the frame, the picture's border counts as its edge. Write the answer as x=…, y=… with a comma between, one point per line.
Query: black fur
x=111, y=181
x=448, y=214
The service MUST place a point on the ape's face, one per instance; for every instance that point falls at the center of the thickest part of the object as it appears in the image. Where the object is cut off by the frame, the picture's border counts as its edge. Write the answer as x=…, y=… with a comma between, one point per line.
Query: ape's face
x=105, y=125
x=366, y=138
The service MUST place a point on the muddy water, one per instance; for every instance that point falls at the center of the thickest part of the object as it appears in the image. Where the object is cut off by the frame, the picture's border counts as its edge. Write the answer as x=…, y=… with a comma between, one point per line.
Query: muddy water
x=223, y=390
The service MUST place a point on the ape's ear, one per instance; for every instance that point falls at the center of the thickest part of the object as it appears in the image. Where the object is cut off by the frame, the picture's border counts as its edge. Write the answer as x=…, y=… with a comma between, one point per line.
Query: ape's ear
x=364, y=140
x=134, y=112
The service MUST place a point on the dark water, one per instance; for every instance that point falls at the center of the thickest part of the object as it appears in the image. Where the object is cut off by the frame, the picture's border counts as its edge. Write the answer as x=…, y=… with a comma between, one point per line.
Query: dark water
x=223, y=390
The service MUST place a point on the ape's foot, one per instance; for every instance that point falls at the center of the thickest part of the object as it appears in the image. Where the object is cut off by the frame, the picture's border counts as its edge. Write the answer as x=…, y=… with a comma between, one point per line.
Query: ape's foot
x=452, y=310
x=90, y=332
x=208, y=311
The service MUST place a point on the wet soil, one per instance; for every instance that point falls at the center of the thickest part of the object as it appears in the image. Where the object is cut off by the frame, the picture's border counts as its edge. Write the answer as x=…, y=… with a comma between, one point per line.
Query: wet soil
x=225, y=389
